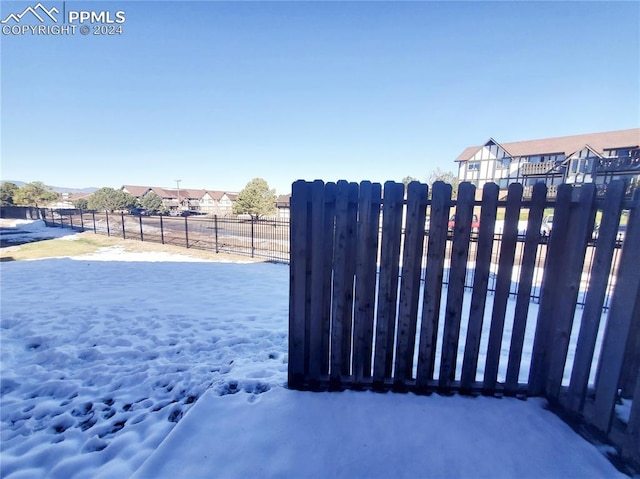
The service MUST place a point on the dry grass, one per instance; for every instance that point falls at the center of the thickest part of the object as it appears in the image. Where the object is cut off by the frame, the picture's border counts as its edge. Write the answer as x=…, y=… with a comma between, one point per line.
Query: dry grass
x=89, y=242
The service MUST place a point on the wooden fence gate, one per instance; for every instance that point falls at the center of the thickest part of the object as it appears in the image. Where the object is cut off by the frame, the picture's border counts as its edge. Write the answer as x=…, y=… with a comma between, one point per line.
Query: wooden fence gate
x=368, y=308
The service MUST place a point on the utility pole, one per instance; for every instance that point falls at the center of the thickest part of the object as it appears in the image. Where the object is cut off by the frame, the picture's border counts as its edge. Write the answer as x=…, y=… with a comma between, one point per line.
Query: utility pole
x=178, y=191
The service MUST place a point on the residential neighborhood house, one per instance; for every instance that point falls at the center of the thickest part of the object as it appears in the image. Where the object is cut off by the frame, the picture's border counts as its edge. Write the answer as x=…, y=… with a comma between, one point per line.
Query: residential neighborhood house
x=591, y=158
x=201, y=201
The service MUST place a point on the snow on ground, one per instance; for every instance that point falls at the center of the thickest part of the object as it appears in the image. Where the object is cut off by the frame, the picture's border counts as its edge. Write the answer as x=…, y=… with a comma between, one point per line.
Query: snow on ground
x=26, y=231
x=285, y=433
x=103, y=355
x=100, y=359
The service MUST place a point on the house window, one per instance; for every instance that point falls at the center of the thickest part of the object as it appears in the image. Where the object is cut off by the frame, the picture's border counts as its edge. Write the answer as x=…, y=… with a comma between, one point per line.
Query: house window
x=503, y=163
x=473, y=166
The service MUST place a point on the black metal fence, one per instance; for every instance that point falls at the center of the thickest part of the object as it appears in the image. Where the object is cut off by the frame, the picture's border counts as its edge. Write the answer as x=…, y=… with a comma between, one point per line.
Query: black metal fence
x=256, y=238
x=269, y=239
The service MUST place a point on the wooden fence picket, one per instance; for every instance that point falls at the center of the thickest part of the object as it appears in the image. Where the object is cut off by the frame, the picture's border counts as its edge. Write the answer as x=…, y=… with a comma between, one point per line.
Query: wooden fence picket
x=299, y=287
x=580, y=229
x=436, y=244
x=392, y=207
x=592, y=313
x=322, y=218
x=410, y=287
x=619, y=323
x=554, y=271
x=503, y=286
x=455, y=291
x=344, y=264
x=480, y=283
x=365, y=293
x=523, y=297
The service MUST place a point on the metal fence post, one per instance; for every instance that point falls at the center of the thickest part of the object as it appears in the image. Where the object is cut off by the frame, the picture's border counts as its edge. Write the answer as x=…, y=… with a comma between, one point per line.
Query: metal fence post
x=106, y=214
x=93, y=216
x=252, y=237
x=161, y=230
x=141, y=235
x=186, y=232
x=81, y=221
x=215, y=227
x=124, y=234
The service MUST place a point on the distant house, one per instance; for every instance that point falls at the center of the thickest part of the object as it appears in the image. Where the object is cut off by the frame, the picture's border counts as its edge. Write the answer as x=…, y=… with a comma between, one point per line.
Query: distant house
x=201, y=201
x=591, y=158
x=283, y=204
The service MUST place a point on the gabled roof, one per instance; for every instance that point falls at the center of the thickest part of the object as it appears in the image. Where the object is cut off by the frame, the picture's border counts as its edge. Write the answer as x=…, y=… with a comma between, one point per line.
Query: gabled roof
x=216, y=195
x=136, y=191
x=586, y=147
x=598, y=142
x=283, y=200
x=172, y=193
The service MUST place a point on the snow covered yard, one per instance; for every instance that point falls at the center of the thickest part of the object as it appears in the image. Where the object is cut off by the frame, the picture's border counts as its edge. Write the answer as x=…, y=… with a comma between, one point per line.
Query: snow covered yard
x=102, y=356
x=117, y=358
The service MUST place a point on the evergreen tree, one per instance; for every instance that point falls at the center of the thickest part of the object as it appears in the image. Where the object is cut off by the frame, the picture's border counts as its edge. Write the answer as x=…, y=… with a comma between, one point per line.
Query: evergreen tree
x=34, y=194
x=81, y=204
x=109, y=199
x=256, y=199
x=152, y=203
x=7, y=192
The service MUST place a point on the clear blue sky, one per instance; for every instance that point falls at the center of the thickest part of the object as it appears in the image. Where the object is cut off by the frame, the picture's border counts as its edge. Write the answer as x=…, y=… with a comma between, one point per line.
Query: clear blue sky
x=217, y=93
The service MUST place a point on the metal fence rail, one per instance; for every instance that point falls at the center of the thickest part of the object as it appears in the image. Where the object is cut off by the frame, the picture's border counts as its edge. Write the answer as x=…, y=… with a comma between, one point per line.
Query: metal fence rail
x=256, y=237
x=269, y=239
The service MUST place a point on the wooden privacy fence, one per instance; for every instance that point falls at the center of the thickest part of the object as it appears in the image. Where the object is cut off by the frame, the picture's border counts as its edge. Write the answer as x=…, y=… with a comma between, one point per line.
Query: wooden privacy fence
x=368, y=308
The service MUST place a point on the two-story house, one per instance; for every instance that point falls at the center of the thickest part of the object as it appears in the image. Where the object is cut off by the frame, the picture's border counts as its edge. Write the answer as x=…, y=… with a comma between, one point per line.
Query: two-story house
x=591, y=158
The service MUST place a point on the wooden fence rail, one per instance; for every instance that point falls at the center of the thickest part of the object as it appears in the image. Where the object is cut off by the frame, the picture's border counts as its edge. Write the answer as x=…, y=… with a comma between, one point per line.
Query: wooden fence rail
x=369, y=308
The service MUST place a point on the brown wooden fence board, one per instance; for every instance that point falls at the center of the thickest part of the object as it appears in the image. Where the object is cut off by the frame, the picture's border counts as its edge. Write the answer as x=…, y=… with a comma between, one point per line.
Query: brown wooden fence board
x=632, y=447
x=455, y=291
x=619, y=324
x=327, y=265
x=480, y=284
x=366, y=267
x=437, y=242
x=343, y=278
x=321, y=236
x=523, y=298
x=410, y=286
x=392, y=206
x=592, y=313
x=336, y=297
x=503, y=285
x=632, y=355
x=551, y=283
x=580, y=230
x=299, y=293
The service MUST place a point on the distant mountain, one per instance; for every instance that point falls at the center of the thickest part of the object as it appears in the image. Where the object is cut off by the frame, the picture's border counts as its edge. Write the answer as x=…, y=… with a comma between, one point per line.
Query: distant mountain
x=57, y=189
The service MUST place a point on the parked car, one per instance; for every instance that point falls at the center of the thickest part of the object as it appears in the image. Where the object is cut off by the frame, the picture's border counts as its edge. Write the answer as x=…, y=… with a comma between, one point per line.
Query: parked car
x=475, y=223
x=547, y=225
x=622, y=230
x=140, y=212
